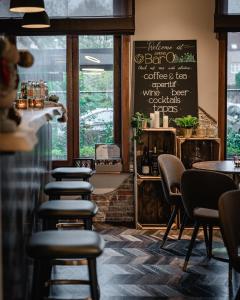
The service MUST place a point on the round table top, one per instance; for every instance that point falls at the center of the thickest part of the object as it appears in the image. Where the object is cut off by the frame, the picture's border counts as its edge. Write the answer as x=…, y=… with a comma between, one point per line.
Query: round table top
x=223, y=166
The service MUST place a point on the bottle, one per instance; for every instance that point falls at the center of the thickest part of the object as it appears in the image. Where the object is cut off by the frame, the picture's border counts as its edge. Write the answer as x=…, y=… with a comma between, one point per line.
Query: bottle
x=145, y=162
x=154, y=162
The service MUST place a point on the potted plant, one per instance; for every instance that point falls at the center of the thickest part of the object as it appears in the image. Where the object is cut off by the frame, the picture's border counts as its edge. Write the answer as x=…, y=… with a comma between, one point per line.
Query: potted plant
x=186, y=123
x=139, y=122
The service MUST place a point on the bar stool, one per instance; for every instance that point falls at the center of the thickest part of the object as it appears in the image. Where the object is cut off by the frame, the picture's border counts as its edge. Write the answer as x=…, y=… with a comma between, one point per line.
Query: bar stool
x=50, y=245
x=53, y=211
x=56, y=189
x=72, y=173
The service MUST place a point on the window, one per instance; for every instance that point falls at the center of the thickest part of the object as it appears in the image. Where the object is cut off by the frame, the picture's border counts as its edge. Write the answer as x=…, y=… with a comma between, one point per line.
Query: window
x=96, y=89
x=50, y=66
x=233, y=95
x=96, y=92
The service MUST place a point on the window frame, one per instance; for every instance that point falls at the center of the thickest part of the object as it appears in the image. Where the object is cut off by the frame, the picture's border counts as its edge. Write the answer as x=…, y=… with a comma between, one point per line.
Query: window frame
x=223, y=23
x=73, y=99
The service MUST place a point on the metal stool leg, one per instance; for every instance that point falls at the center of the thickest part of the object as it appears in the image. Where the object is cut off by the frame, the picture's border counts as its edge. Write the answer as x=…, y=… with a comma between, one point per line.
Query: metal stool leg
x=88, y=224
x=92, y=269
x=206, y=240
x=42, y=273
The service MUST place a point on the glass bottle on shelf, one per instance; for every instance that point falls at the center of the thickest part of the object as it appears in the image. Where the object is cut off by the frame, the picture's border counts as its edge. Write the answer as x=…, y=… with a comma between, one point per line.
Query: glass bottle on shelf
x=154, y=162
x=145, y=165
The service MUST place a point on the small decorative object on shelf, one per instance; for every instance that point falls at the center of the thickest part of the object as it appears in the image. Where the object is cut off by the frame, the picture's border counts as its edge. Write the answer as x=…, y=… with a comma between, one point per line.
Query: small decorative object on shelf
x=186, y=123
x=154, y=162
x=21, y=104
x=156, y=119
x=84, y=163
x=201, y=132
x=39, y=103
x=145, y=163
x=236, y=160
x=31, y=103
x=165, y=121
x=212, y=131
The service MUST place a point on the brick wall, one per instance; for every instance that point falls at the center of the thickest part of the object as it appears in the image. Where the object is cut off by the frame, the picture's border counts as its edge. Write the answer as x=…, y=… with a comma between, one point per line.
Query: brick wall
x=117, y=206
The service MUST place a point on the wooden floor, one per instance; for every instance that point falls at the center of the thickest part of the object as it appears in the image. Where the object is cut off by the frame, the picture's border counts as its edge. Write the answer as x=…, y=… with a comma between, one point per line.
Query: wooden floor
x=133, y=267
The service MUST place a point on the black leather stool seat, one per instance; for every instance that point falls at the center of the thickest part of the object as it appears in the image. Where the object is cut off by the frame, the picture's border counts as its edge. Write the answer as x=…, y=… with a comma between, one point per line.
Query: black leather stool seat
x=68, y=188
x=65, y=244
x=72, y=173
x=67, y=209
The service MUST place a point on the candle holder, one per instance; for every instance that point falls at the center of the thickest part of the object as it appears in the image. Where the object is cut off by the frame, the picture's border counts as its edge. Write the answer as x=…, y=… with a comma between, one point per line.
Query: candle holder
x=31, y=103
x=21, y=104
x=39, y=103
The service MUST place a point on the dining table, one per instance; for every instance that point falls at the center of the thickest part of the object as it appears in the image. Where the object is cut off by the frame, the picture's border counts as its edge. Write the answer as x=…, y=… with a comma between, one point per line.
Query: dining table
x=226, y=167
x=222, y=166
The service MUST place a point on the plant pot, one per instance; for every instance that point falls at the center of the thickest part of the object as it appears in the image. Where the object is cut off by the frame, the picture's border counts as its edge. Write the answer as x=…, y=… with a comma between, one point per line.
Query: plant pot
x=144, y=124
x=187, y=132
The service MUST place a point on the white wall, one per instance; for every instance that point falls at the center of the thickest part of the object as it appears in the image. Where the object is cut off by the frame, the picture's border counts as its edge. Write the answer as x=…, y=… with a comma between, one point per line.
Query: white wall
x=179, y=20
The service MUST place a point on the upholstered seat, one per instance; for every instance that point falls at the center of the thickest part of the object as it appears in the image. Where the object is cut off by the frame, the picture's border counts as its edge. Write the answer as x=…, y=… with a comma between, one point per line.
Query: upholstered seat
x=68, y=188
x=67, y=209
x=72, y=173
x=65, y=244
x=53, y=211
x=206, y=213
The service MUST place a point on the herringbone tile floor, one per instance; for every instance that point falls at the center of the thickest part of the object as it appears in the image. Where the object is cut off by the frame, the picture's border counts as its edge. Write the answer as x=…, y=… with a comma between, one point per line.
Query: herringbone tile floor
x=133, y=267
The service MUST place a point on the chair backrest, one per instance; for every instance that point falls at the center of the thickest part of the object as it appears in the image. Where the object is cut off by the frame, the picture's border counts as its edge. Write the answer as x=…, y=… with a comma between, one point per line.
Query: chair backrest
x=171, y=169
x=229, y=213
x=203, y=189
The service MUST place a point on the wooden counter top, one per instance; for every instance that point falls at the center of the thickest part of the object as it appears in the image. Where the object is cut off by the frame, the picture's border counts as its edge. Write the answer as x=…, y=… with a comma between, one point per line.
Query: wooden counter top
x=25, y=137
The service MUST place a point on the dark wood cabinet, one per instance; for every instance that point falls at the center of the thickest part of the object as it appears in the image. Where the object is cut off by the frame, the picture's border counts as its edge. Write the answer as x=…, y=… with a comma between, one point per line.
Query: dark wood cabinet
x=151, y=210
x=195, y=149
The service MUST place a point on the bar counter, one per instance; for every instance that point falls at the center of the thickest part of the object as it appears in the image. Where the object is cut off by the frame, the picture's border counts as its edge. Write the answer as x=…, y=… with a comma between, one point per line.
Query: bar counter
x=24, y=162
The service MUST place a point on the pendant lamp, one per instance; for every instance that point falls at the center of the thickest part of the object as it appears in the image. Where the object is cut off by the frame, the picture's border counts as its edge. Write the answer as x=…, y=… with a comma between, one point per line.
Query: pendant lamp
x=36, y=20
x=26, y=6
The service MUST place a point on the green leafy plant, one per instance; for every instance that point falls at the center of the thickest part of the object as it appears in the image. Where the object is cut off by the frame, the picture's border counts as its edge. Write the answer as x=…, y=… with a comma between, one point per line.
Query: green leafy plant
x=137, y=122
x=186, y=121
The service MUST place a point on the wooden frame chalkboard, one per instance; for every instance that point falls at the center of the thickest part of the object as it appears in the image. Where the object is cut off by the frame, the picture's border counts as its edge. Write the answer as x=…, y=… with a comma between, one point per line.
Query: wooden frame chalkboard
x=165, y=77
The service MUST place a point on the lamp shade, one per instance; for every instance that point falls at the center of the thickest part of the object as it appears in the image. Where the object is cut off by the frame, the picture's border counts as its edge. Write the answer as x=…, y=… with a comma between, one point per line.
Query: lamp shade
x=26, y=6
x=36, y=20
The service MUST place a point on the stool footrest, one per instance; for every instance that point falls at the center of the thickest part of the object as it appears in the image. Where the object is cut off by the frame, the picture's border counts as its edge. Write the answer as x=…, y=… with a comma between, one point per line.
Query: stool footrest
x=67, y=281
x=70, y=262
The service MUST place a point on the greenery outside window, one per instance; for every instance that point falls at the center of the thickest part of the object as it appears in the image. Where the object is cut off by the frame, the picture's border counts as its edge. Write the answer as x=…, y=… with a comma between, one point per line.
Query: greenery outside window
x=96, y=93
x=233, y=95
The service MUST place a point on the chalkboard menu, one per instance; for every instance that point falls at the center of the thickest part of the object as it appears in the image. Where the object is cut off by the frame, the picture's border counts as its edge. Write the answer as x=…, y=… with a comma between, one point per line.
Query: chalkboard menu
x=165, y=78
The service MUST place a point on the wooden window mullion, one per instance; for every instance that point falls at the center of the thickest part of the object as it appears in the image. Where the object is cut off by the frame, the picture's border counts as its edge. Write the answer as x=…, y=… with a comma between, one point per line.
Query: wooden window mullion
x=222, y=94
x=75, y=89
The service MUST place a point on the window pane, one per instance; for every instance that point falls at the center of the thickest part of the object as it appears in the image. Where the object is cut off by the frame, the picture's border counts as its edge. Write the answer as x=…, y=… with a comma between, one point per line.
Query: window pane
x=233, y=7
x=233, y=94
x=96, y=92
x=50, y=66
x=78, y=8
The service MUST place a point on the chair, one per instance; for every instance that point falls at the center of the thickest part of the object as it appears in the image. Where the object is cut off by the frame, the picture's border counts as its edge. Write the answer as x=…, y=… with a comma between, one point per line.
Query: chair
x=171, y=169
x=229, y=213
x=200, y=193
x=48, y=246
